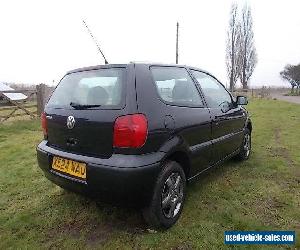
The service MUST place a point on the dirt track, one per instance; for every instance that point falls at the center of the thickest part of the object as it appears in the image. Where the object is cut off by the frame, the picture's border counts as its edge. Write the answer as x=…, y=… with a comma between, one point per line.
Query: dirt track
x=280, y=96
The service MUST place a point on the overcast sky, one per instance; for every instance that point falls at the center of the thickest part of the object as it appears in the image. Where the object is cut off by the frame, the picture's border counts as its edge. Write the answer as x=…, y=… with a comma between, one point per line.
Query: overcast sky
x=41, y=40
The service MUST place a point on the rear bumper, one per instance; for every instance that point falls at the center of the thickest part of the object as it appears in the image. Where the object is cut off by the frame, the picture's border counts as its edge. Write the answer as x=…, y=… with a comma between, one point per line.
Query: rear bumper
x=118, y=179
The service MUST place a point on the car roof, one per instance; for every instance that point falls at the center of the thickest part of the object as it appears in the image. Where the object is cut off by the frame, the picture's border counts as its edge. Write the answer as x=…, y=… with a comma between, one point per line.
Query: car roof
x=147, y=64
x=97, y=67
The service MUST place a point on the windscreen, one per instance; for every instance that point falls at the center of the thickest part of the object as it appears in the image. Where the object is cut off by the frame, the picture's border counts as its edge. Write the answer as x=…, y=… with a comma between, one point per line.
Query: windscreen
x=102, y=87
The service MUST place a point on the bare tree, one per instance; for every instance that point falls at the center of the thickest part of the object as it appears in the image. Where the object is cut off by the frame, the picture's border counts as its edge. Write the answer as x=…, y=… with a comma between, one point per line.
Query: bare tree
x=232, y=46
x=247, y=51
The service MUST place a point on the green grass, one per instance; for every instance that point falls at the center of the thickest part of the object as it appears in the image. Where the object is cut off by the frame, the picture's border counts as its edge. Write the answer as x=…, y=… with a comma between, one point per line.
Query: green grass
x=262, y=193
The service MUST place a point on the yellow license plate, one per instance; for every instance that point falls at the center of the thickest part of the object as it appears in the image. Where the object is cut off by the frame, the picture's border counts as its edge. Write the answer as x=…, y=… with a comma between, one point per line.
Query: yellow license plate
x=70, y=167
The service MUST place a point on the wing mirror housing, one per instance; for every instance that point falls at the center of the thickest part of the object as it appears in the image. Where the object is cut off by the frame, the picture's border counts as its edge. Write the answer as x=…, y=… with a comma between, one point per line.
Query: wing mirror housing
x=241, y=100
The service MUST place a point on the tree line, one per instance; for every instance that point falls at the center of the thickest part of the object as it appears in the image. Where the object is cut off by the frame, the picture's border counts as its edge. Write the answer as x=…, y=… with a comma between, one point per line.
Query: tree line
x=241, y=56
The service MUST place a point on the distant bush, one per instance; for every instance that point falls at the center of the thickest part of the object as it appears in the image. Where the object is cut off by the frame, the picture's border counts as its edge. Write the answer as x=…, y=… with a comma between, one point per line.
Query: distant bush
x=293, y=94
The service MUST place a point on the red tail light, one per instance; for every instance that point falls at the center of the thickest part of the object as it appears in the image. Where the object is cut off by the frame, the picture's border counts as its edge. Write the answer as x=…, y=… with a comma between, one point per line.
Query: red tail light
x=130, y=131
x=44, y=124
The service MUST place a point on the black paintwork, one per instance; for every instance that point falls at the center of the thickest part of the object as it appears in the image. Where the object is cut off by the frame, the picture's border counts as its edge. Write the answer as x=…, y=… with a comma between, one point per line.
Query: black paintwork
x=201, y=136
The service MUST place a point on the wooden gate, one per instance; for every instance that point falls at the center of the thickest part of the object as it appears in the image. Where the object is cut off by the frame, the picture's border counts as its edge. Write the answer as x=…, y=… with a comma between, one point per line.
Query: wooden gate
x=32, y=106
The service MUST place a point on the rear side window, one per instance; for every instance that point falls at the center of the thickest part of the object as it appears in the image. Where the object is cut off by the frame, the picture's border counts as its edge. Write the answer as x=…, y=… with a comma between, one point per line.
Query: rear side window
x=175, y=86
x=102, y=87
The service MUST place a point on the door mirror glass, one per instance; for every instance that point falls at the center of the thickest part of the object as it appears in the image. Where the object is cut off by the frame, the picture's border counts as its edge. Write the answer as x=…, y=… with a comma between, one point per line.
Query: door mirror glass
x=241, y=100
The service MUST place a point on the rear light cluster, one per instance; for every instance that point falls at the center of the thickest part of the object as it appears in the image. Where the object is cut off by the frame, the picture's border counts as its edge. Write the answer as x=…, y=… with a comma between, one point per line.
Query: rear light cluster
x=44, y=124
x=130, y=131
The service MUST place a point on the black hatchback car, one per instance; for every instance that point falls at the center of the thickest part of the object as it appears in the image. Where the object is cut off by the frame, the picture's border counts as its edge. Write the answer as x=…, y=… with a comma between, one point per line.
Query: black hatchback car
x=139, y=133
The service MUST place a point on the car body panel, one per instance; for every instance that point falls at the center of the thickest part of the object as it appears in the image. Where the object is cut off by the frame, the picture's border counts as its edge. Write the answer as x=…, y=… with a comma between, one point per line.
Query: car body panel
x=227, y=131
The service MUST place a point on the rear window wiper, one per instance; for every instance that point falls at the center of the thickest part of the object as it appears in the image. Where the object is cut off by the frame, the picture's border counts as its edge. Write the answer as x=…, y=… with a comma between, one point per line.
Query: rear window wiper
x=83, y=106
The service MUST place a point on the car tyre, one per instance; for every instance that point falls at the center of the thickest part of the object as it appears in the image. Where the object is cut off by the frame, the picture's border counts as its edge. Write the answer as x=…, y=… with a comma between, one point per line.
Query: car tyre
x=168, y=197
x=245, y=149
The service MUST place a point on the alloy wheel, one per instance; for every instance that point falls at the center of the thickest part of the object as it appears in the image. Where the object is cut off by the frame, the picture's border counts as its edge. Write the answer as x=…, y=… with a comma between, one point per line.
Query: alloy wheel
x=172, y=195
x=247, y=144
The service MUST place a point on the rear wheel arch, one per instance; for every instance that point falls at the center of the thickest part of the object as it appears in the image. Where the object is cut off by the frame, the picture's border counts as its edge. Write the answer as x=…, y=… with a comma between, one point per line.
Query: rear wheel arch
x=182, y=159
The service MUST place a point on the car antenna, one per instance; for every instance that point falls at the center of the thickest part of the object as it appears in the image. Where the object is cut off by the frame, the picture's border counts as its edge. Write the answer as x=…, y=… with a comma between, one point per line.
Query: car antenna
x=95, y=41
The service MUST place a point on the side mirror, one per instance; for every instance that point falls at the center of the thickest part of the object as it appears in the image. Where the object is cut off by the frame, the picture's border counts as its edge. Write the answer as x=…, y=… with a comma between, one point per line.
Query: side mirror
x=241, y=100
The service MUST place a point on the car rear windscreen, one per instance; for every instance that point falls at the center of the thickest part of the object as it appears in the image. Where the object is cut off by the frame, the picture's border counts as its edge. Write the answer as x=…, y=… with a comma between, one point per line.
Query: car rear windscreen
x=103, y=87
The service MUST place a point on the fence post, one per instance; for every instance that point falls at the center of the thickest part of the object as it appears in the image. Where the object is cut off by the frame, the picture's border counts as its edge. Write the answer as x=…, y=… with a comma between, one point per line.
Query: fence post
x=43, y=93
x=40, y=97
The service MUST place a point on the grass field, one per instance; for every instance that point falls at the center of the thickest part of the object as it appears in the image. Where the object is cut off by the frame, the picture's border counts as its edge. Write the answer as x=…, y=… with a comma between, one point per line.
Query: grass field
x=262, y=193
